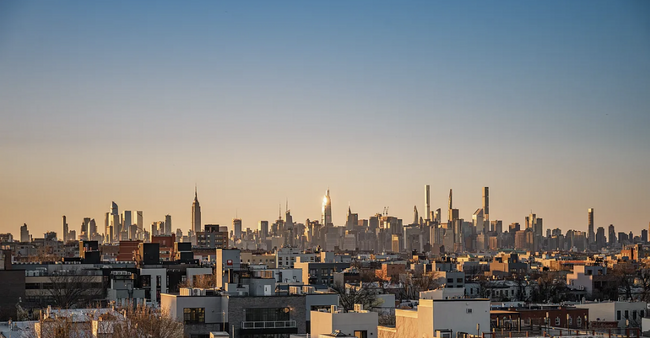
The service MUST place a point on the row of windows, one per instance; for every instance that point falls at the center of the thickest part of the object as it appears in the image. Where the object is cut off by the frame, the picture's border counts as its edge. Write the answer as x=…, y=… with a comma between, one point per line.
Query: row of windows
x=268, y=314
x=640, y=314
x=194, y=315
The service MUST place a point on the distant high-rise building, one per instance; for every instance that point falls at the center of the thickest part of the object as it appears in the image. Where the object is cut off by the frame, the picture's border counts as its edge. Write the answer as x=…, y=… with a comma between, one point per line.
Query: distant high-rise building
x=106, y=224
x=236, y=225
x=601, y=240
x=611, y=235
x=264, y=229
x=486, y=206
x=427, y=202
x=196, y=214
x=85, y=225
x=453, y=213
x=416, y=217
x=327, y=209
x=591, y=235
x=139, y=221
x=92, y=228
x=24, y=234
x=65, y=230
x=115, y=224
x=168, y=225
x=352, y=220
x=127, y=222
x=644, y=235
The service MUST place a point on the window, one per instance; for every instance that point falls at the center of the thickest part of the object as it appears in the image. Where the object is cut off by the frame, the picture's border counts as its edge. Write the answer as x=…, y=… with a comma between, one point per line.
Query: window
x=627, y=314
x=194, y=315
x=570, y=321
x=361, y=334
x=641, y=313
x=618, y=315
x=557, y=321
x=468, y=310
x=268, y=314
x=634, y=314
x=459, y=280
x=450, y=280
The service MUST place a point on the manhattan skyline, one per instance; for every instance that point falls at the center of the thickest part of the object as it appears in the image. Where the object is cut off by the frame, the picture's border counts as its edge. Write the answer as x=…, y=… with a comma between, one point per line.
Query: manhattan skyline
x=548, y=104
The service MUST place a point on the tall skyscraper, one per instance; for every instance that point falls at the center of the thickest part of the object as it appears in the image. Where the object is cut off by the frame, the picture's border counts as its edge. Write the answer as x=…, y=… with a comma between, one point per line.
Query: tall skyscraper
x=139, y=221
x=127, y=222
x=85, y=227
x=92, y=228
x=264, y=229
x=168, y=225
x=196, y=213
x=591, y=236
x=611, y=235
x=65, y=229
x=327, y=209
x=24, y=234
x=486, y=208
x=416, y=217
x=427, y=202
x=236, y=225
x=453, y=213
x=115, y=226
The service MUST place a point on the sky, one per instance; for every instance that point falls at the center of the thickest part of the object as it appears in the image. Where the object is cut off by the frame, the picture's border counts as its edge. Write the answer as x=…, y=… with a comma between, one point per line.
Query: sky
x=262, y=102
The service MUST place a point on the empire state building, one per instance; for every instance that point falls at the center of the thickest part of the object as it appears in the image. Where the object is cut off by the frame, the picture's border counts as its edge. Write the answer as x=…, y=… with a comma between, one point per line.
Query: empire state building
x=327, y=209
x=196, y=213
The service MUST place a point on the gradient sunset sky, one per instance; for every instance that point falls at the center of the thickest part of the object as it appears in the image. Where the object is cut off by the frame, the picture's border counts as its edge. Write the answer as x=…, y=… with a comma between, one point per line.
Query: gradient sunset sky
x=546, y=102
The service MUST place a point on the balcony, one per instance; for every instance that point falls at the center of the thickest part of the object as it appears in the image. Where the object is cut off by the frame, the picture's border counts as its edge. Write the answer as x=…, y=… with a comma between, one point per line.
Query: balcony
x=281, y=324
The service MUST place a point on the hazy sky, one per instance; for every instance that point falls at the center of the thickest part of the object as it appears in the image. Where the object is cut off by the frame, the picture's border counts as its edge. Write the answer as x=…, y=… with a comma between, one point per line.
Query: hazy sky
x=547, y=103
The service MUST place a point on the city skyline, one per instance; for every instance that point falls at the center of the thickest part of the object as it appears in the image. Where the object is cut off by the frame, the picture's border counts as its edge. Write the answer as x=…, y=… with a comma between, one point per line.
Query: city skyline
x=545, y=103
x=254, y=224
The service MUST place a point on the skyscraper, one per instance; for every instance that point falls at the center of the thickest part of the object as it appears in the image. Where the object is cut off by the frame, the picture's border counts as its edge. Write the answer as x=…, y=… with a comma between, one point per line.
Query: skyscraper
x=264, y=229
x=168, y=225
x=65, y=229
x=591, y=236
x=127, y=221
x=453, y=213
x=327, y=209
x=24, y=234
x=92, y=229
x=427, y=202
x=196, y=213
x=139, y=221
x=115, y=226
x=486, y=208
x=236, y=225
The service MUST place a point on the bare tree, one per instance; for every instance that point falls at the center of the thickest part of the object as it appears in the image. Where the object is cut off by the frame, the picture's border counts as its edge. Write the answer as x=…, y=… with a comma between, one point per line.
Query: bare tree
x=200, y=281
x=643, y=278
x=72, y=290
x=412, y=285
x=144, y=321
x=364, y=294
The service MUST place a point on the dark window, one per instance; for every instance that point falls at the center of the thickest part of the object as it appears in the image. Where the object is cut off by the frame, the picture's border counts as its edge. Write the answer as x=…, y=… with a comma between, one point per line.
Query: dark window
x=627, y=314
x=194, y=315
x=268, y=315
x=618, y=315
x=459, y=280
x=450, y=280
x=634, y=314
x=361, y=334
